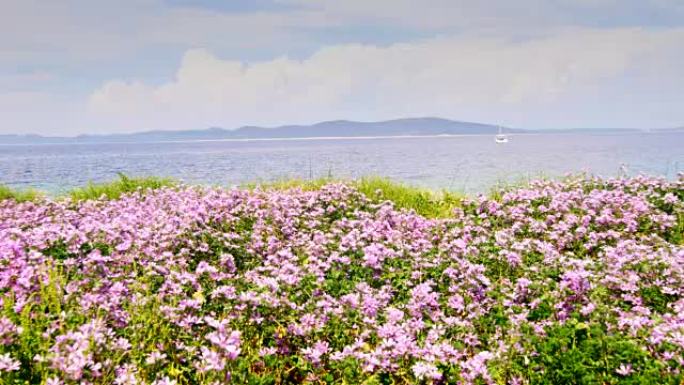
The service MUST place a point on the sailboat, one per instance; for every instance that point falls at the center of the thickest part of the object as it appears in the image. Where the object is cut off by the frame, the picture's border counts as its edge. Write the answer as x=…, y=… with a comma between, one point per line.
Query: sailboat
x=501, y=137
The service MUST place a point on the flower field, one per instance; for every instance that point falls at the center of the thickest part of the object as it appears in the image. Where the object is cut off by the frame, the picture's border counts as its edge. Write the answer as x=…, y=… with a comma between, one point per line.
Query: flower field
x=580, y=281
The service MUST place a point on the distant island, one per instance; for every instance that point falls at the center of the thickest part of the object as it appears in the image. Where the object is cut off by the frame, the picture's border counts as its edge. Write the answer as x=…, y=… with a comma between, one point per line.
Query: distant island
x=329, y=129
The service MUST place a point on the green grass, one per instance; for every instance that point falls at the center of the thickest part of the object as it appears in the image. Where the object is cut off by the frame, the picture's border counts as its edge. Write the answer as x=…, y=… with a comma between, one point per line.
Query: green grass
x=428, y=203
x=287, y=184
x=425, y=202
x=115, y=189
x=28, y=195
x=431, y=204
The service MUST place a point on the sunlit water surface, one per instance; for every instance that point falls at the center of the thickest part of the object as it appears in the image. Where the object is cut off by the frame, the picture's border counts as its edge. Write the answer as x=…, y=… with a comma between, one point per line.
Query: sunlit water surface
x=468, y=164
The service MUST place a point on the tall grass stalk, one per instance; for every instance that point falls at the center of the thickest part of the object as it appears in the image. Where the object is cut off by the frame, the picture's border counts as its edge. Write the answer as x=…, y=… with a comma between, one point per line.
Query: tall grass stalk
x=115, y=189
x=19, y=195
x=429, y=203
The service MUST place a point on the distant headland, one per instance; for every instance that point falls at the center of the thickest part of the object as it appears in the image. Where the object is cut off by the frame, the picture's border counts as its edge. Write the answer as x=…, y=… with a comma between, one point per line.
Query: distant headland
x=329, y=129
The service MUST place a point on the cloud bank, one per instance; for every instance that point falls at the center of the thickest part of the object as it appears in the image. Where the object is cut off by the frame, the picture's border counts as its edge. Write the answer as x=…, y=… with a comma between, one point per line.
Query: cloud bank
x=568, y=76
x=78, y=66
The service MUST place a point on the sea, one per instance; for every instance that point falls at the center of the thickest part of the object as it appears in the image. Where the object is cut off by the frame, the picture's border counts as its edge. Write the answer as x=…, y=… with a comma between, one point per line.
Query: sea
x=469, y=164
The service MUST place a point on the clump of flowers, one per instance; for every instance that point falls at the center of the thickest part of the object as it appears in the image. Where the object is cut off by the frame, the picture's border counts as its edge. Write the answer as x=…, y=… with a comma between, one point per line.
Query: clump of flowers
x=551, y=283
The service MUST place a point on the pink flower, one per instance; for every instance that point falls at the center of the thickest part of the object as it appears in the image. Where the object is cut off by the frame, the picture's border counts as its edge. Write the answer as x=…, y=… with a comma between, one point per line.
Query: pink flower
x=8, y=364
x=164, y=381
x=422, y=370
x=211, y=360
x=54, y=381
x=155, y=357
x=314, y=354
x=624, y=370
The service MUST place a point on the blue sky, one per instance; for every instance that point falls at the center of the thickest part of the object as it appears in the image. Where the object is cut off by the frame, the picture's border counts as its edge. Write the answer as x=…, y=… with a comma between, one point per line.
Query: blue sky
x=76, y=66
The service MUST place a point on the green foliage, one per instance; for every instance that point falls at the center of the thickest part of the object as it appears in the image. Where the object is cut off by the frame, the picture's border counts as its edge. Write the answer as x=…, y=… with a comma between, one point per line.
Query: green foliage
x=655, y=299
x=577, y=353
x=581, y=350
x=422, y=201
x=427, y=203
x=28, y=195
x=294, y=183
x=115, y=189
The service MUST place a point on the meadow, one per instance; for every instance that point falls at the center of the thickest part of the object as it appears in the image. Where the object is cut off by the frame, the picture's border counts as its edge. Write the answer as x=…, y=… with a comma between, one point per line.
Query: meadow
x=147, y=281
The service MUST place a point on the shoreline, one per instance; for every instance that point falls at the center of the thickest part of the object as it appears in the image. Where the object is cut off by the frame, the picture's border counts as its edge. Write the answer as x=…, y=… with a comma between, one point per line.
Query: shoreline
x=336, y=138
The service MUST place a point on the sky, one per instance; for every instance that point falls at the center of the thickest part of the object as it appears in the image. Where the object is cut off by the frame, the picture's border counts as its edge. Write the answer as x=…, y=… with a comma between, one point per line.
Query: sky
x=71, y=67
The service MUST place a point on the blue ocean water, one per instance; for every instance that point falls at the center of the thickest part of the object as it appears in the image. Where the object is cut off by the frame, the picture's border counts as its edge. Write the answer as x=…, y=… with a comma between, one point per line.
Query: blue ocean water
x=467, y=164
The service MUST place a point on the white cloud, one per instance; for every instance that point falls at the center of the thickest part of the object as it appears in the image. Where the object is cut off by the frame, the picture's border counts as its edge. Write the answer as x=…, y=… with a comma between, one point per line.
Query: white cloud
x=552, y=81
x=526, y=62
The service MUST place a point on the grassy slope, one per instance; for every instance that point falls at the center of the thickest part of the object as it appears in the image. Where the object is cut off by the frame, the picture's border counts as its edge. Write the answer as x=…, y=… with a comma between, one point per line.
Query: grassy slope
x=110, y=190
x=19, y=195
x=425, y=202
x=115, y=189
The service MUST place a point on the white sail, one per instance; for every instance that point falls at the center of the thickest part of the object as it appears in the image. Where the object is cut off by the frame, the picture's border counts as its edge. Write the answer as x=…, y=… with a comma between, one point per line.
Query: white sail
x=501, y=137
